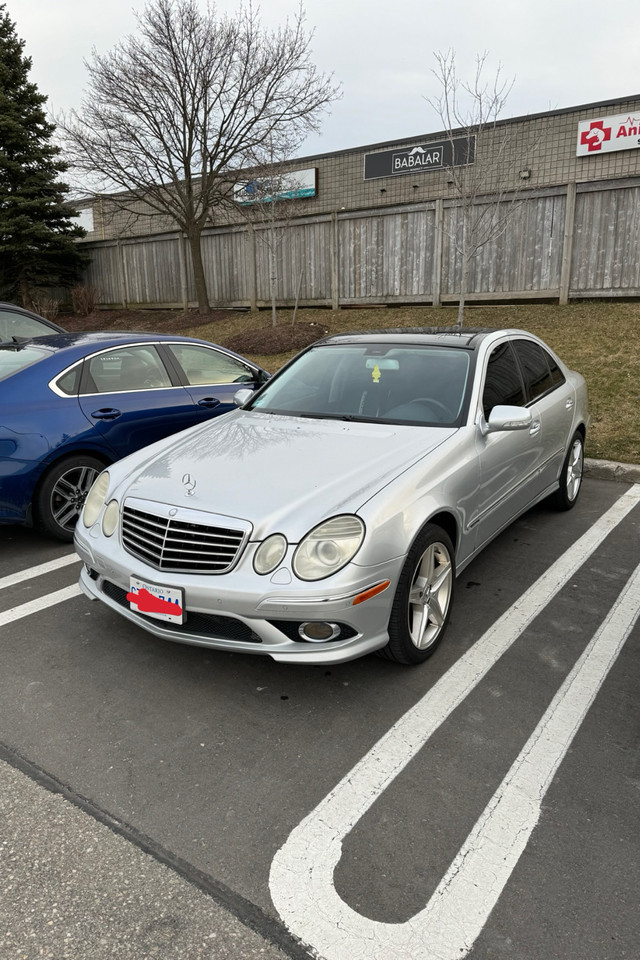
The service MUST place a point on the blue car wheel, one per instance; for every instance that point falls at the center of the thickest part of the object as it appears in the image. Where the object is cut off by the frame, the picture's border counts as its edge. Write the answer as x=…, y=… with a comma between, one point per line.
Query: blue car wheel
x=60, y=497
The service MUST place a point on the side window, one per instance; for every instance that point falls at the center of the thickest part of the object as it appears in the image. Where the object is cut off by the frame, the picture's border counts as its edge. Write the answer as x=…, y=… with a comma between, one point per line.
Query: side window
x=503, y=383
x=69, y=382
x=129, y=368
x=533, y=360
x=19, y=325
x=556, y=374
x=203, y=365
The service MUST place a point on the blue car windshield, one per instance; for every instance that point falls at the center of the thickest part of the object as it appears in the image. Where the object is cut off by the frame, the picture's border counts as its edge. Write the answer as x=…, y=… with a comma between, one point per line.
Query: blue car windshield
x=398, y=384
x=13, y=360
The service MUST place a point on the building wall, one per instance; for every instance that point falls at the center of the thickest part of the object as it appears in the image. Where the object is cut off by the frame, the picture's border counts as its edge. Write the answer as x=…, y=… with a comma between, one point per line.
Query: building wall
x=575, y=231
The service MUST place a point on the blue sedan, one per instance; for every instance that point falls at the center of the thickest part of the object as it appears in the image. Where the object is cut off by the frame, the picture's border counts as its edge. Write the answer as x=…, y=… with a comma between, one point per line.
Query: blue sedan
x=71, y=403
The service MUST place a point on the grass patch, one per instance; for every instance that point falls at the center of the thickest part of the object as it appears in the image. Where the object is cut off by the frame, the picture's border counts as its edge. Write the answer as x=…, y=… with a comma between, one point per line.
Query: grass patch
x=600, y=339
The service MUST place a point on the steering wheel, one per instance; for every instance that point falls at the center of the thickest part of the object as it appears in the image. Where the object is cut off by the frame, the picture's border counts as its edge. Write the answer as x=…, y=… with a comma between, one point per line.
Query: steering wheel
x=435, y=405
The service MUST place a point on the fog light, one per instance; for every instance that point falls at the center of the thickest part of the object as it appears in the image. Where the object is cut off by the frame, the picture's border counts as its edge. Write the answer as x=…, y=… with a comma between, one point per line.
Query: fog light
x=318, y=632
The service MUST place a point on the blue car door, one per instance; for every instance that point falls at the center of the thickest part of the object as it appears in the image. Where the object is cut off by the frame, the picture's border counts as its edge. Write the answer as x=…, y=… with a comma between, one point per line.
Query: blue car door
x=130, y=398
x=211, y=376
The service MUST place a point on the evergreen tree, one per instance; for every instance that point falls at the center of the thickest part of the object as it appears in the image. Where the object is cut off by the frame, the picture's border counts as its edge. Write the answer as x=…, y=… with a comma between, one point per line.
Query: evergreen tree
x=37, y=235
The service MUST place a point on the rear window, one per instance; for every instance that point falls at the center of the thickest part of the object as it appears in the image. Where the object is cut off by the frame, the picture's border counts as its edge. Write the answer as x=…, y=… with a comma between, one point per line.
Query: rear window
x=14, y=360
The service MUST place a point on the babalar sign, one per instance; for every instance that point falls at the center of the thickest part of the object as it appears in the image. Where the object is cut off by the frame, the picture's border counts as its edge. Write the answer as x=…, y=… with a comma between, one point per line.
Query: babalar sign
x=420, y=158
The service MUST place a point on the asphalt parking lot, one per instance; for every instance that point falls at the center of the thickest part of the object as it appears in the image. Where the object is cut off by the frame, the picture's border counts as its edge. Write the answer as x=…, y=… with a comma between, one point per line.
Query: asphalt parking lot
x=163, y=800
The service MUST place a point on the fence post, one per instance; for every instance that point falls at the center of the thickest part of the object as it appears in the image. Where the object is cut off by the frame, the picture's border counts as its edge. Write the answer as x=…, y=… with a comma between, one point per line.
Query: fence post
x=335, y=262
x=251, y=267
x=567, y=243
x=438, y=240
x=122, y=269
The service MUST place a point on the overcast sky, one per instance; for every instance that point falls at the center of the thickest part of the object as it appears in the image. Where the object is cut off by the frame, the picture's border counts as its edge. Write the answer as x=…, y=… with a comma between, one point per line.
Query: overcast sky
x=561, y=53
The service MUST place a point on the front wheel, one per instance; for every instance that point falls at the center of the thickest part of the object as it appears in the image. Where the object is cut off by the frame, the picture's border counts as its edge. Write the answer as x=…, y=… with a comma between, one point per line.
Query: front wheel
x=61, y=495
x=423, y=599
x=566, y=496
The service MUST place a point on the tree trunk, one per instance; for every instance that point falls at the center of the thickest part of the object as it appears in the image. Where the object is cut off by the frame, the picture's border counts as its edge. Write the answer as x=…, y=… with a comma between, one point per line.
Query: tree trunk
x=25, y=295
x=194, y=237
x=466, y=264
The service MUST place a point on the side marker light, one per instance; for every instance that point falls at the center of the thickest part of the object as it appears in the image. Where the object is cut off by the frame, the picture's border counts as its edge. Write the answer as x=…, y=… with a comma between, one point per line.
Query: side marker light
x=372, y=592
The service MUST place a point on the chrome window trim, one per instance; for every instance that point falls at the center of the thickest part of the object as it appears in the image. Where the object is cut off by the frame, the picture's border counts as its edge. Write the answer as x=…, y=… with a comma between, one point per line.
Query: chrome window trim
x=53, y=383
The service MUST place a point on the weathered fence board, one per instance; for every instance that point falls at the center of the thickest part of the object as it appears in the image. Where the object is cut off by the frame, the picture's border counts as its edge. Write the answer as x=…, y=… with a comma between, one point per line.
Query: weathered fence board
x=405, y=254
x=607, y=241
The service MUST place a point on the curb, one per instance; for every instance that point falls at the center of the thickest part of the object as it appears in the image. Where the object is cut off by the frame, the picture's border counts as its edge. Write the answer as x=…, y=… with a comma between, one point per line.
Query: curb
x=609, y=470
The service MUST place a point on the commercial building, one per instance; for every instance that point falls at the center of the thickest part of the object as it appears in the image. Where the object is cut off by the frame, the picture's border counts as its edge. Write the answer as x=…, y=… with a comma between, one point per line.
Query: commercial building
x=382, y=223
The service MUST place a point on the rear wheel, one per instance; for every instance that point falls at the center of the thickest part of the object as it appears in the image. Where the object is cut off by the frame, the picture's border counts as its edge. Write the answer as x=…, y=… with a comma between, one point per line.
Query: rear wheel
x=422, y=603
x=60, y=498
x=566, y=496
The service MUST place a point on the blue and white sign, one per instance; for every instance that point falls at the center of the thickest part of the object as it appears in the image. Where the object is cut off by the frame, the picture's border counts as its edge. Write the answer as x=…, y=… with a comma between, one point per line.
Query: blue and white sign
x=283, y=186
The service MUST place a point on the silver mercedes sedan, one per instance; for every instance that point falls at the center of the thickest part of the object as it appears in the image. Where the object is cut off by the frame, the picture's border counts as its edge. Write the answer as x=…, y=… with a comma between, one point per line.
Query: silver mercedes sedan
x=328, y=516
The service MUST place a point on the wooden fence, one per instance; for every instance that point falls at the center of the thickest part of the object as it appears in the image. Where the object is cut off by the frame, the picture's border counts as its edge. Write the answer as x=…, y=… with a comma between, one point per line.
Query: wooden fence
x=579, y=240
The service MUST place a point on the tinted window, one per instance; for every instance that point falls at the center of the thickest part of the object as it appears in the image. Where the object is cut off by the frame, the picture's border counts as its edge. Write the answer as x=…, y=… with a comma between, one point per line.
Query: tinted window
x=533, y=360
x=129, y=368
x=557, y=376
x=70, y=381
x=503, y=384
x=202, y=365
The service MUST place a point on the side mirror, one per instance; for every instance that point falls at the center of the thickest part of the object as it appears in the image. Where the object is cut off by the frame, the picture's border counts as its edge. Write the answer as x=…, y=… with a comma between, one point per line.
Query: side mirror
x=505, y=418
x=242, y=396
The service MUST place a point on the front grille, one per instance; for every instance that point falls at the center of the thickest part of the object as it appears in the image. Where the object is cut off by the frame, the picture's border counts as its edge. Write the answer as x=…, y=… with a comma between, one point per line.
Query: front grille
x=208, y=625
x=179, y=543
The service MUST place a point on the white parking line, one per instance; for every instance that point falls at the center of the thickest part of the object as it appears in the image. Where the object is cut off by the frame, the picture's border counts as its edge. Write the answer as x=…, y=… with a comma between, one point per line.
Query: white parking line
x=38, y=571
x=301, y=880
x=40, y=603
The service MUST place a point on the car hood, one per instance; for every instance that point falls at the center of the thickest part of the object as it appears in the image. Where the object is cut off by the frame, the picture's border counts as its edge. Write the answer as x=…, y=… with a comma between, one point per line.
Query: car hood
x=280, y=473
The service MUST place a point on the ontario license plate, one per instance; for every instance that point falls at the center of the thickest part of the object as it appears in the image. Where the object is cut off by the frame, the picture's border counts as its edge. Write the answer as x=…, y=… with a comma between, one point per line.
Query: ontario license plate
x=157, y=601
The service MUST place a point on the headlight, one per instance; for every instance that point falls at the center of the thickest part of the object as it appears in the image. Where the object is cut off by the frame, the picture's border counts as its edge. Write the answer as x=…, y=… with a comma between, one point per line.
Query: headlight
x=328, y=547
x=270, y=553
x=110, y=518
x=95, y=499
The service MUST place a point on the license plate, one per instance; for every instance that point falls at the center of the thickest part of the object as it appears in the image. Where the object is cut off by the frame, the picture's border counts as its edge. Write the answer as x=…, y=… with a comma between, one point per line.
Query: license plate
x=159, y=602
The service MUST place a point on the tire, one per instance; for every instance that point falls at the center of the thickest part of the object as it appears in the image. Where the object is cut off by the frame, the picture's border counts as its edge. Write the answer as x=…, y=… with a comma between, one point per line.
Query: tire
x=423, y=599
x=60, y=497
x=566, y=496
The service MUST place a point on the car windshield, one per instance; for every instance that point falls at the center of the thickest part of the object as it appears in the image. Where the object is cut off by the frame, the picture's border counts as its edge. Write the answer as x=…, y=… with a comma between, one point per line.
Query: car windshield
x=398, y=384
x=14, y=358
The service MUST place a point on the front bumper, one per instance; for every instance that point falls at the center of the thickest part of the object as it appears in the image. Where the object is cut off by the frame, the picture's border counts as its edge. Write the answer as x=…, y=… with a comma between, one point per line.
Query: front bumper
x=243, y=612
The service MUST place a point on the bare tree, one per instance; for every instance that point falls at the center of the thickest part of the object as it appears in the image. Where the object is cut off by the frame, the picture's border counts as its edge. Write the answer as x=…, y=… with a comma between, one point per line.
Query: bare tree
x=484, y=157
x=171, y=110
x=270, y=201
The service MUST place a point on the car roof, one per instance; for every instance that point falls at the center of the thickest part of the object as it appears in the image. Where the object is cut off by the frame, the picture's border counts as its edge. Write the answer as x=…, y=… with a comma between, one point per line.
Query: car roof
x=466, y=337
x=80, y=342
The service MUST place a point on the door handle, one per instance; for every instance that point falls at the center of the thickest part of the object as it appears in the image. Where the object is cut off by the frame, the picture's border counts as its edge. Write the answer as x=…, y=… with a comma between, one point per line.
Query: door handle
x=106, y=413
x=569, y=403
x=534, y=429
x=209, y=402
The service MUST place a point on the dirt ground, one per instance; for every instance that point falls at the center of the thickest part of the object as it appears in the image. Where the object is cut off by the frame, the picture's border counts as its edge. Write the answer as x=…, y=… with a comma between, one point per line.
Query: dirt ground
x=262, y=339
